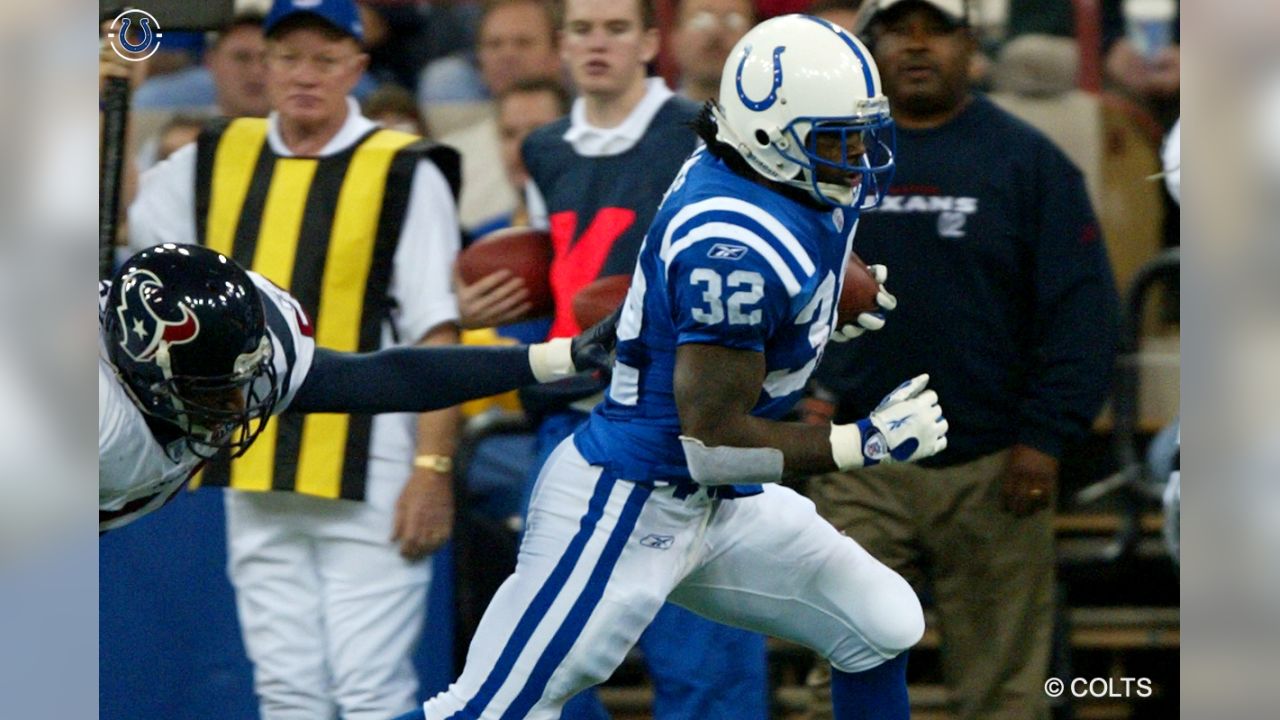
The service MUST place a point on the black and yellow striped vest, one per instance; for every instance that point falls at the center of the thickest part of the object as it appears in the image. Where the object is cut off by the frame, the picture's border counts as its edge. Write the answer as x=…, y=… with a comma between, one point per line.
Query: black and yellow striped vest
x=326, y=230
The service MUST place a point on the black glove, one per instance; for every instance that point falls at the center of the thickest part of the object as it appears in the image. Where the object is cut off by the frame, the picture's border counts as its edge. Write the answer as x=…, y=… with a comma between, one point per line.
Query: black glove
x=592, y=349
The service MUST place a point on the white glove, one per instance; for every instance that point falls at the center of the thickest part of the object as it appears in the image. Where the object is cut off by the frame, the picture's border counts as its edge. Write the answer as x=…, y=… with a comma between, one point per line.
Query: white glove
x=906, y=426
x=869, y=321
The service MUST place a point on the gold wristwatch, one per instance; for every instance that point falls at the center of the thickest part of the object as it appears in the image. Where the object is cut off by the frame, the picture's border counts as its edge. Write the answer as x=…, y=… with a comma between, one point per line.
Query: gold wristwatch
x=442, y=464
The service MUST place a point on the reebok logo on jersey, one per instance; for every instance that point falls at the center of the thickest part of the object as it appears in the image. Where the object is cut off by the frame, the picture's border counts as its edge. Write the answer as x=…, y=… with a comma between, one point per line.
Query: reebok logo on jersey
x=658, y=542
x=720, y=251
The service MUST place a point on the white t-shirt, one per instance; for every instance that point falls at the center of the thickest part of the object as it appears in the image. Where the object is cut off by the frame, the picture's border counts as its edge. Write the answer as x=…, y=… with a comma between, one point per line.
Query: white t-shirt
x=421, y=278
x=137, y=475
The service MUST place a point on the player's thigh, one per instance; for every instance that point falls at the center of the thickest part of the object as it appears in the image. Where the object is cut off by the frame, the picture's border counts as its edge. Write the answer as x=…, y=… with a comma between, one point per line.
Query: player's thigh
x=587, y=583
x=776, y=567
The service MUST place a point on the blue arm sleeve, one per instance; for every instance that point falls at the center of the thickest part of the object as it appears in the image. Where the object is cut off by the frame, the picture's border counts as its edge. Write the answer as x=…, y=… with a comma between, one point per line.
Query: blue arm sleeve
x=416, y=379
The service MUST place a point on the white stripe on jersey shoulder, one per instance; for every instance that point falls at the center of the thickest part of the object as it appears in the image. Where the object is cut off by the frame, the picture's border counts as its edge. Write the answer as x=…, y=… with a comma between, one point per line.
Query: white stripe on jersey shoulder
x=728, y=204
x=725, y=231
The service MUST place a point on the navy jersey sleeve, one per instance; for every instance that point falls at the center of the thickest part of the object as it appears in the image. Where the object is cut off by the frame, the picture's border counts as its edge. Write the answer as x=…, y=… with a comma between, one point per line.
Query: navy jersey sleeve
x=725, y=292
x=1075, y=312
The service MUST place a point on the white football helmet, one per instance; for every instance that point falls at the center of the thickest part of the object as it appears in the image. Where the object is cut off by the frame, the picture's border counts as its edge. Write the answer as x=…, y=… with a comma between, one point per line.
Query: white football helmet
x=794, y=81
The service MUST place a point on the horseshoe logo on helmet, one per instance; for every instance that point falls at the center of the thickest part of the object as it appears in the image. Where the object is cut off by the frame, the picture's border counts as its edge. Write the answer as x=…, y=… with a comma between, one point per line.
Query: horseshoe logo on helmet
x=768, y=100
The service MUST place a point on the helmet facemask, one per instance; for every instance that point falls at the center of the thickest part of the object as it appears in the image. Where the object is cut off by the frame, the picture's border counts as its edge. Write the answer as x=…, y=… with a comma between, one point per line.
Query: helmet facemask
x=844, y=161
x=224, y=412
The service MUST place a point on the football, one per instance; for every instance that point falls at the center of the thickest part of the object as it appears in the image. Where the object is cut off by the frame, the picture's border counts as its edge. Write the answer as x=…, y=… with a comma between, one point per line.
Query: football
x=858, y=295
x=594, y=302
x=523, y=251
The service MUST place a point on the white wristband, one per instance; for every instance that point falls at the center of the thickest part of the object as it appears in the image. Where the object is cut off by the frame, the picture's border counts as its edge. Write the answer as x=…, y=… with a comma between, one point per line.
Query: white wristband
x=846, y=446
x=552, y=360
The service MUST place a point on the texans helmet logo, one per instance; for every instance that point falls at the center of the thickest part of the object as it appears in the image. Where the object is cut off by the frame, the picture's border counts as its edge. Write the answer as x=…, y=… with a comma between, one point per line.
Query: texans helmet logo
x=144, y=329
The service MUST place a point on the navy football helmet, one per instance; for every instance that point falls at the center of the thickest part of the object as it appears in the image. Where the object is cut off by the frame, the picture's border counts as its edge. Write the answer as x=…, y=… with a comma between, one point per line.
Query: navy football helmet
x=184, y=327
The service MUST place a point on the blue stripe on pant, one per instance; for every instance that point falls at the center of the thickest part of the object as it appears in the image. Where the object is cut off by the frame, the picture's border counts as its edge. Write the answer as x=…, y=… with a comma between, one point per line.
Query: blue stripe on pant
x=701, y=670
x=547, y=594
x=568, y=633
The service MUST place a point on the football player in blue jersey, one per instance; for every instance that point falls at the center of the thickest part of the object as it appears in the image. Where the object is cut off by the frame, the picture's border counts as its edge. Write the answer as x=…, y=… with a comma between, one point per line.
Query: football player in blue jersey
x=670, y=490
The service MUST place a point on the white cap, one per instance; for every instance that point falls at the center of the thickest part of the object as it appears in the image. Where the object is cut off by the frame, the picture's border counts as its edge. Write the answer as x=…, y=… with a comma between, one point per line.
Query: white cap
x=1150, y=9
x=956, y=11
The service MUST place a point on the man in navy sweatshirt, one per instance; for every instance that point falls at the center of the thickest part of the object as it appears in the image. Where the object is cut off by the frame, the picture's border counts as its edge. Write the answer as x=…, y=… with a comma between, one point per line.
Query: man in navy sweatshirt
x=1007, y=301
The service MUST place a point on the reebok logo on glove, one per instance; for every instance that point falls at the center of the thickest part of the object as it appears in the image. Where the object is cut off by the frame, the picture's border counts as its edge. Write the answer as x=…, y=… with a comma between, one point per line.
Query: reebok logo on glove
x=907, y=425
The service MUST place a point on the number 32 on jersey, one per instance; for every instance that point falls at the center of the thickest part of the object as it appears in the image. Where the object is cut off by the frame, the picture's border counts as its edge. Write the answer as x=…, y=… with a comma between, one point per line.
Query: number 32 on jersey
x=746, y=286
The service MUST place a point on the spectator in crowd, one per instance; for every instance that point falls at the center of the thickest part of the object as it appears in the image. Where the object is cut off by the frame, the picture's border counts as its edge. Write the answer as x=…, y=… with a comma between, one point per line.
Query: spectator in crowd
x=1155, y=80
x=522, y=108
x=501, y=300
x=596, y=179
x=180, y=50
x=231, y=80
x=1007, y=301
x=517, y=42
x=330, y=520
x=393, y=107
x=705, y=32
x=403, y=36
x=180, y=130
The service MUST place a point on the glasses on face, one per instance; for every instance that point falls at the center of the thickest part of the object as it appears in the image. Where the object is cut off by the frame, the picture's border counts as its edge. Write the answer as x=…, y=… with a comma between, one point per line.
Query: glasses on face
x=247, y=57
x=706, y=21
x=322, y=63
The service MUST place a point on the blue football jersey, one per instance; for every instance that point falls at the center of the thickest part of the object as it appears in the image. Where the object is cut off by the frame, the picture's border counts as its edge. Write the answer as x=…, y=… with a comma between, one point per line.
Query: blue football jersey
x=726, y=262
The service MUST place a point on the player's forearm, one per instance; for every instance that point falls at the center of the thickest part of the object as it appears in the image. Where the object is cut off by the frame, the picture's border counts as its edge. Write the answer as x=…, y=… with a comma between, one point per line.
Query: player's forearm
x=438, y=430
x=418, y=379
x=716, y=389
x=805, y=448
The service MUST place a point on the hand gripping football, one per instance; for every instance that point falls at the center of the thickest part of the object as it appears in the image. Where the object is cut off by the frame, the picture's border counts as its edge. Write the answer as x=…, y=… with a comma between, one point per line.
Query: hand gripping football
x=525, y=252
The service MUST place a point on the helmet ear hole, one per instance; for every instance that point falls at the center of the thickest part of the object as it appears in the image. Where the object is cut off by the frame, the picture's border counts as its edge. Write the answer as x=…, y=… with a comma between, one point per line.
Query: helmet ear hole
x=762, y=138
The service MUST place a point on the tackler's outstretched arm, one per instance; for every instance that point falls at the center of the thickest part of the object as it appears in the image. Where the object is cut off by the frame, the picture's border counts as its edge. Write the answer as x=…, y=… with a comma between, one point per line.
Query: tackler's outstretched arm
x=420, y=379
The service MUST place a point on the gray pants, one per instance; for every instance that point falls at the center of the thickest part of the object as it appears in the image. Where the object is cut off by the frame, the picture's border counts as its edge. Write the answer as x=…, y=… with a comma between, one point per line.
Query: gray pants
x=991, y=576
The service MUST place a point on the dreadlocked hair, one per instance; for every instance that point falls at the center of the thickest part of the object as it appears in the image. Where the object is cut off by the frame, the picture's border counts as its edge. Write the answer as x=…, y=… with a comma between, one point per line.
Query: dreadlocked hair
x=706, y=127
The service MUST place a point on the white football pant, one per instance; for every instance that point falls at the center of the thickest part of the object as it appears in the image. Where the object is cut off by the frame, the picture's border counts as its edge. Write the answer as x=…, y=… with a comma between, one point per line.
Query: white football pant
x=600, y=556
